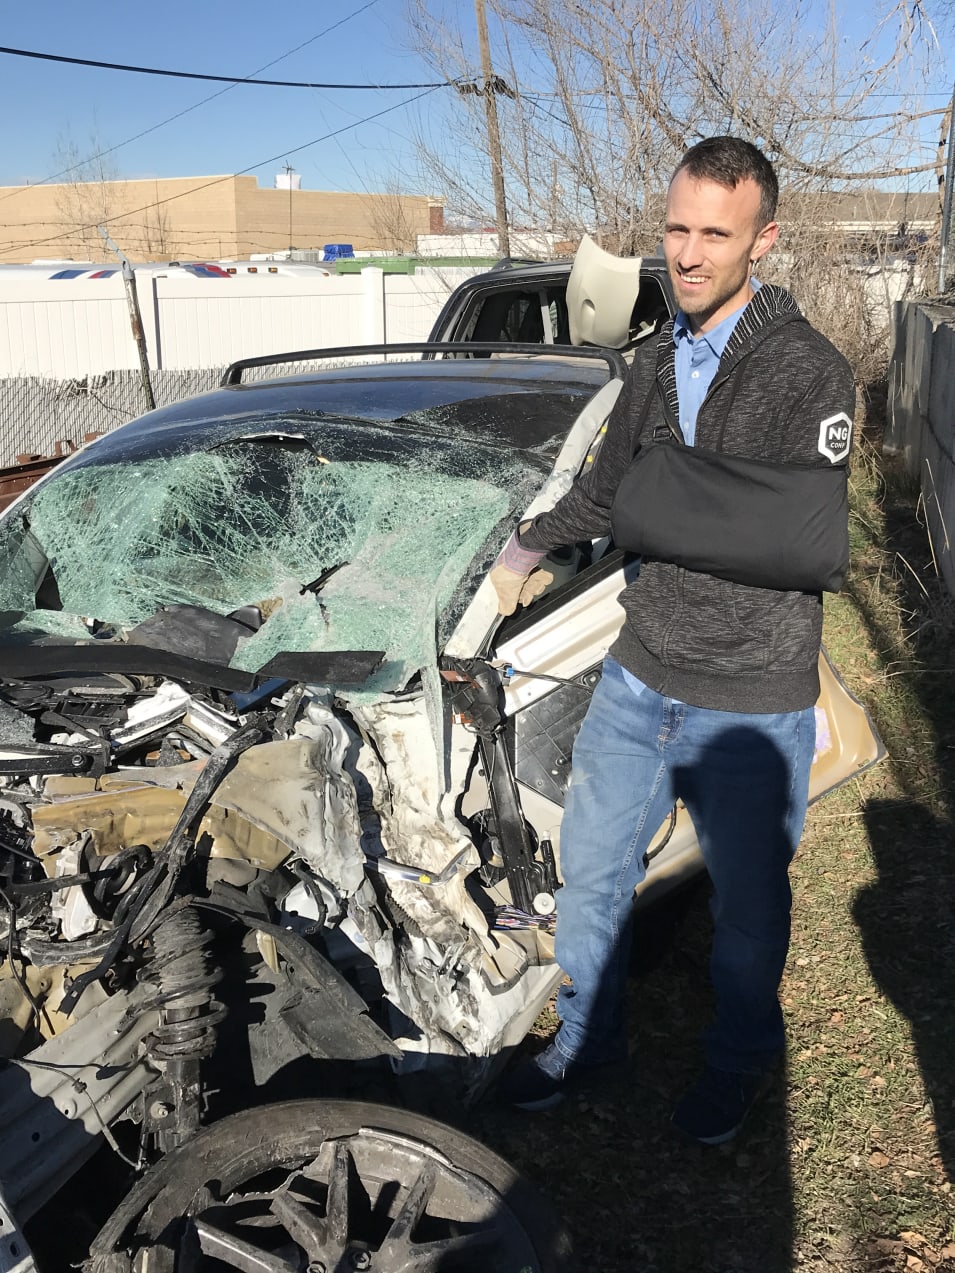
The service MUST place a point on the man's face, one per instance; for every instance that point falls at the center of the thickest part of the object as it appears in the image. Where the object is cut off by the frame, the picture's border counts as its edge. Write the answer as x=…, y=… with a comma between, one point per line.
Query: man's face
x=711, y=236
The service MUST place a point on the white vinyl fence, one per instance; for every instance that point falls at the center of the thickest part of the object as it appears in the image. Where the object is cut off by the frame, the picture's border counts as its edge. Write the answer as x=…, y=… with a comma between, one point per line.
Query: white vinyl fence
x=76, y=328
x=69, y=365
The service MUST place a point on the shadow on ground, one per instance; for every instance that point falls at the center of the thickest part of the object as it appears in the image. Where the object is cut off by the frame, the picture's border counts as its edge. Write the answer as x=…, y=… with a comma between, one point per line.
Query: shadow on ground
x=635, y=1195
x=906, y=918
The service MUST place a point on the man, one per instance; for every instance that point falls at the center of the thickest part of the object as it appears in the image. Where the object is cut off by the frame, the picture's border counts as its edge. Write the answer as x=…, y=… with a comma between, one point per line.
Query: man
x=724, y=466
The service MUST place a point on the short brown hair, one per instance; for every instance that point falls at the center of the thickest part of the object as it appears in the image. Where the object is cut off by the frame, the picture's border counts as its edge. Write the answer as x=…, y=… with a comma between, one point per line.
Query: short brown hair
x=730, y=160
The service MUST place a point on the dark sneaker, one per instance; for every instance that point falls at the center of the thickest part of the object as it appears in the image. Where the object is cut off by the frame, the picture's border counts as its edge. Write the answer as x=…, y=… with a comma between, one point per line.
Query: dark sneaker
x=539, y=1082
x=542, y=1081
x=714, y=1110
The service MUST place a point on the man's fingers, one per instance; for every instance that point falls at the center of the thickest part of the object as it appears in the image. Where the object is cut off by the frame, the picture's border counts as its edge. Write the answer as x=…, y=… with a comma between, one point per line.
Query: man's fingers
x=536, y=583
x=507, y=585
x=514, y=589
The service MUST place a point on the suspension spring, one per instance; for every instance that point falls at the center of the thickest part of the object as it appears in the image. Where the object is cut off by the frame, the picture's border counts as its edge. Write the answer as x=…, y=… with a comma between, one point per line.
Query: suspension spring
x=183, y=976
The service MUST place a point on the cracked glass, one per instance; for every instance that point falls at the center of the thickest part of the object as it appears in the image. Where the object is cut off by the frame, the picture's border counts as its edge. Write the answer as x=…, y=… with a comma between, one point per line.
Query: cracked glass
x=345, y=535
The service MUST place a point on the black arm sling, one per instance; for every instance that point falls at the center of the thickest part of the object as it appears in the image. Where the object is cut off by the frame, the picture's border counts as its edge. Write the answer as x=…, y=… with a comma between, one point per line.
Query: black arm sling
x=762, y=523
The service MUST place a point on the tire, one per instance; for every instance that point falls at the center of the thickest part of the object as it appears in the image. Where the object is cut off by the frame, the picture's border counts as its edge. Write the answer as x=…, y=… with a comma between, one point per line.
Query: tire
x=333, y=1185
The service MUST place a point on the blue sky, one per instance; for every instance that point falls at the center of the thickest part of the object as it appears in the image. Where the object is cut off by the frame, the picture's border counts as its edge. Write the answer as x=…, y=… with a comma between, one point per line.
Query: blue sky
x=46, y=104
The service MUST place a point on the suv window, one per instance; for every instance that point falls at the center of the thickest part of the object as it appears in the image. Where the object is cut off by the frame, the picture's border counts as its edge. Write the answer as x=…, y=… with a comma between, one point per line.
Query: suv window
x=539, y=315
x=650, y=309
x=536, y=316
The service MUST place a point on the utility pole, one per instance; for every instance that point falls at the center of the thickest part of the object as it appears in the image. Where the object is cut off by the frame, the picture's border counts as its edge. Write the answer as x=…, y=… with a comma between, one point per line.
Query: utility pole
x=493, y=132
x=135, y=317
x=947, y=193
x=288, y=172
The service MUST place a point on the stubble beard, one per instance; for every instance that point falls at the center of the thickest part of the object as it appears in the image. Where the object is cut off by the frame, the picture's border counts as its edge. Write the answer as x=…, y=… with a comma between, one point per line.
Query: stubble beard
x=703, y=308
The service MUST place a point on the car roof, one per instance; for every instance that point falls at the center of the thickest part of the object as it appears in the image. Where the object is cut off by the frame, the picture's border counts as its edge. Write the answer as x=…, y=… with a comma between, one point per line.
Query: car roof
x=542, y=271
x=478, y=397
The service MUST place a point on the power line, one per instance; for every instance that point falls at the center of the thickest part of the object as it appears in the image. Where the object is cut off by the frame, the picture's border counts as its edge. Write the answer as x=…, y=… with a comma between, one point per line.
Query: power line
x=188, y=231
x=348, y=159
x=19, y=247
x=863, y=93
x=196, y=75
x=823, y=166
x=900, y=116
x=202, y=102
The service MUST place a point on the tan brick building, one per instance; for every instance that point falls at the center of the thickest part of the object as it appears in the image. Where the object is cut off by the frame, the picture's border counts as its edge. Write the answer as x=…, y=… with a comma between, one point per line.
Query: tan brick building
x=198, y=218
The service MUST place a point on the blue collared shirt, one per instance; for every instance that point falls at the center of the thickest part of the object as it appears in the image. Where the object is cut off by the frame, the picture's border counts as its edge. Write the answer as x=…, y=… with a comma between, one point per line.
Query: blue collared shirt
x=697, y=358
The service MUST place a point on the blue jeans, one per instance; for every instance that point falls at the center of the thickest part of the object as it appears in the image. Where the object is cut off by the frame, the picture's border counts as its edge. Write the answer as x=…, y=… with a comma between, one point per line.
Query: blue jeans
x=744, y=779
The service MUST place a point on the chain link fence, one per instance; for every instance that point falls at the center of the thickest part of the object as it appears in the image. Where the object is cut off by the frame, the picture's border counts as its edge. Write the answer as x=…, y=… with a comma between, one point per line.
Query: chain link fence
x=47, y=417
x=52, y=417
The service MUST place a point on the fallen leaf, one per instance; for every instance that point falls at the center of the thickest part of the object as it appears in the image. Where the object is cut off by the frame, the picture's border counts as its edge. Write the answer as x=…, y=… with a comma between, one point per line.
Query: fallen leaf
x=878, y=1159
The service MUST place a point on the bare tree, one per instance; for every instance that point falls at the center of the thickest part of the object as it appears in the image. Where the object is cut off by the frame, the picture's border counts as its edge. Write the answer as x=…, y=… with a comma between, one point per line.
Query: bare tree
x=607, y=94
x=84, y=199
x=156, y=239
x=391, y=220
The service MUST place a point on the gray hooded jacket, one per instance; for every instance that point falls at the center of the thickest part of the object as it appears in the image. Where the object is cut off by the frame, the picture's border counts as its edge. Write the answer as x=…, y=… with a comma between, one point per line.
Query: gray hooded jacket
x=706, y=641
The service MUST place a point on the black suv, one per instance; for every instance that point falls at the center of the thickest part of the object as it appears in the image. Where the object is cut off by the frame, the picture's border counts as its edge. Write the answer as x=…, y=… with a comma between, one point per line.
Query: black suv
x=528, y=303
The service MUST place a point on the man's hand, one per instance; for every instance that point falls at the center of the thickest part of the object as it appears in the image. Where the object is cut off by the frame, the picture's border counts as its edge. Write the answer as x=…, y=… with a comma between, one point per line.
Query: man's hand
x=515, y=576
x=516, y=589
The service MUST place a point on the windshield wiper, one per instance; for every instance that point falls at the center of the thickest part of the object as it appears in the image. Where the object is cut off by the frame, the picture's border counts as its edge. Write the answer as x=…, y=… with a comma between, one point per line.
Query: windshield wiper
x=318, y=584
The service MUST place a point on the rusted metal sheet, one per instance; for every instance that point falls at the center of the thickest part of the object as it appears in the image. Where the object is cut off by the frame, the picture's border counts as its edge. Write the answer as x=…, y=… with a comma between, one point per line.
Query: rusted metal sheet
x=15, y=478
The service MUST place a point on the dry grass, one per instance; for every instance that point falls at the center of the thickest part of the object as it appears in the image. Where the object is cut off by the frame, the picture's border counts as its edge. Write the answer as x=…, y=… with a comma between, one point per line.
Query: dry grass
x=849, y=1162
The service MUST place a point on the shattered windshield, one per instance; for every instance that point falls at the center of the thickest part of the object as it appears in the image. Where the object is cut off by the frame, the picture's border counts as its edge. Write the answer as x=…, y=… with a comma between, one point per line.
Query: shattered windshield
x=345, y=536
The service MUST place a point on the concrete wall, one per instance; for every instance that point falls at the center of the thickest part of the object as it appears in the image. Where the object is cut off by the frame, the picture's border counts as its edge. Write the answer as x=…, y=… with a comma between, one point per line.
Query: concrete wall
x=387, y=221
x=921, y=424
x=80, y=327
x=198, y=218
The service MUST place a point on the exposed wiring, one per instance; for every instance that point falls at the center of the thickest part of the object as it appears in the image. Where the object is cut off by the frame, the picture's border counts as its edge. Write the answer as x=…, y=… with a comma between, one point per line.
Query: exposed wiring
x=507, y=672
x=81, y=1089
x=513, y=917
x=38, y=1011
x=658, y=848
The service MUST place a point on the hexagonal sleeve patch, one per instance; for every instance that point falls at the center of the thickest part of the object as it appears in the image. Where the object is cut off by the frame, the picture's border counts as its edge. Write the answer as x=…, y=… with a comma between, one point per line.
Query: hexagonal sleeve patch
x=835, y=437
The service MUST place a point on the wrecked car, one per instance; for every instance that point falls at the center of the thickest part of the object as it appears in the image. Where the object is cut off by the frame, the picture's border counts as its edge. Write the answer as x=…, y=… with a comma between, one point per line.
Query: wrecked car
x=255, y=696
